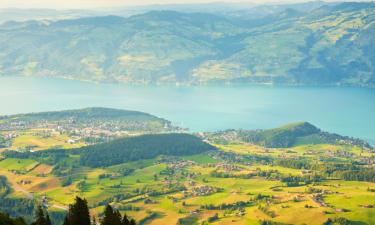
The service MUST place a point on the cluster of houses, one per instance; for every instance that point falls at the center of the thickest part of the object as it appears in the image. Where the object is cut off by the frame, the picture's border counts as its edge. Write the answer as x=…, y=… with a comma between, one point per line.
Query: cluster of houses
x=24, y=182
x=347, y=154
x=96, y=129
x=204, y=190
x=228, y=167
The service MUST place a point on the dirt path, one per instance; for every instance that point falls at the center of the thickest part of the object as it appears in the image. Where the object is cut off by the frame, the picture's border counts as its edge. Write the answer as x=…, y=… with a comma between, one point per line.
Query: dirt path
x=65, y=208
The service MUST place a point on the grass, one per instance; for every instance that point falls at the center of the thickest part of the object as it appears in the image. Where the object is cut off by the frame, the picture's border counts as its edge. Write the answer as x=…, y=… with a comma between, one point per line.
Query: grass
x=18, y=164
x=345, y=194
x=201, y=159
x=37, y=140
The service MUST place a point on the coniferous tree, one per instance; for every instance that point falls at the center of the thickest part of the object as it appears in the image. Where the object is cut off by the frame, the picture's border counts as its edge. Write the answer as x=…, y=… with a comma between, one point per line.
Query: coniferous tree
x=111, y=216
x=66, y=220
x=125, y=220
x=40, y=219
x=48, y=219
x=132, y=222
x=78, y=213
x=117, y=217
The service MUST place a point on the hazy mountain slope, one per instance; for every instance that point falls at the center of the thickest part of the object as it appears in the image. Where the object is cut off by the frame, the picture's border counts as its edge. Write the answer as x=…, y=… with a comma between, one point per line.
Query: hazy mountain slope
x=144, y=48
x=331, y=44
x=323, y=47
x=18, y=14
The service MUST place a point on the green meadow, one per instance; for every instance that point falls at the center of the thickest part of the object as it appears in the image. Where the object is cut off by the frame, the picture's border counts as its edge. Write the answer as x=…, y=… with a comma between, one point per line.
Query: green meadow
x=238, y=183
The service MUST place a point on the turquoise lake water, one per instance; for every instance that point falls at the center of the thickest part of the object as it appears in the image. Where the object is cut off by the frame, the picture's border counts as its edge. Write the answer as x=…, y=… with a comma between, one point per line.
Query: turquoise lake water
x=343, y=110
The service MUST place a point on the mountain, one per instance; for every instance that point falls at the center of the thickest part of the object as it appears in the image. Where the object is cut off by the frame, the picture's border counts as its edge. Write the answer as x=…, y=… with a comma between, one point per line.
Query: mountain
x=16, y=14
x=314, y=44
x=294, y=134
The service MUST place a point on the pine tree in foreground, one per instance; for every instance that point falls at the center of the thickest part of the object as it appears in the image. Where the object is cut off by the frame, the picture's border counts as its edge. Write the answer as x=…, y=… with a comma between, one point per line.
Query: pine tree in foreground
x=48, y=220
x=78, y=214
x=111, y=216
x=41, y=218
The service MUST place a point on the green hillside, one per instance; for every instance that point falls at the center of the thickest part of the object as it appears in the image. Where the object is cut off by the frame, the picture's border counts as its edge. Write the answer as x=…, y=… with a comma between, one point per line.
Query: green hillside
x=141, y=147
x=88, y=118
x=325, y=44
x=289, y=135
x=237, y=183
x=294, y=174
x=86, y=114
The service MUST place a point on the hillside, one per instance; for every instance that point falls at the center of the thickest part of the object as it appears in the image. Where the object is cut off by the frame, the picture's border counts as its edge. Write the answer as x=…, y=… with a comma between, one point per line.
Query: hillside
x=141, y=147
x=289, y=135
x=105, y=118
x=76, y=128
x=95, y=113
x=325, y=44
x=161, y=179
x=293, y=174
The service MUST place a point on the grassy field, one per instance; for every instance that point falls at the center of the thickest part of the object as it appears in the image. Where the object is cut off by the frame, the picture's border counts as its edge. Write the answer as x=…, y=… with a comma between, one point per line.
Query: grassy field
x=18, y=164
x=149, y=188
x=41, y=139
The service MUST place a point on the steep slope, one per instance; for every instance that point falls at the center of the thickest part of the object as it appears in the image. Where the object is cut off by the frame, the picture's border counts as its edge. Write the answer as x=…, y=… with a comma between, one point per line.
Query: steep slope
x=329, y=45
x=146, y=48
x=326, y=45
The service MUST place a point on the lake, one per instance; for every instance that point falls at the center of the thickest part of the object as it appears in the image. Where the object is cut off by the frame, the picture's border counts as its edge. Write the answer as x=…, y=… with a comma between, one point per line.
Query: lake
x=343, y=110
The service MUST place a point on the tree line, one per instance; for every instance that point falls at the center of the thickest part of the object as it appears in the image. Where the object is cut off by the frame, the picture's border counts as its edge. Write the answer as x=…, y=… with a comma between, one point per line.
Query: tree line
x=362, y=175
x=78, y=214
x=141, y=147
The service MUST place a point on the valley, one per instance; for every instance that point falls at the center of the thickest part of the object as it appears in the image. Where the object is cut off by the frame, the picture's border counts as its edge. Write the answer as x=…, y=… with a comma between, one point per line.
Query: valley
x=116, y=112
x=226, y=177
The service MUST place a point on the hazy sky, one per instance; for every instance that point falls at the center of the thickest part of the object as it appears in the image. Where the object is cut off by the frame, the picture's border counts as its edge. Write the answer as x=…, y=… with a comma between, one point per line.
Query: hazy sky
x=109, y=3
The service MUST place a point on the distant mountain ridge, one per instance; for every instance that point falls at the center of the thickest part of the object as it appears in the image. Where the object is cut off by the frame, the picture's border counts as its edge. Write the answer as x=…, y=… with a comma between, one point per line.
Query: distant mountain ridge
x=328, y=44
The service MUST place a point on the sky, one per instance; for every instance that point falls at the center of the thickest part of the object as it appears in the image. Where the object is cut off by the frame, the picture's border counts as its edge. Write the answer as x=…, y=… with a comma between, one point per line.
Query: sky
x=75, y=4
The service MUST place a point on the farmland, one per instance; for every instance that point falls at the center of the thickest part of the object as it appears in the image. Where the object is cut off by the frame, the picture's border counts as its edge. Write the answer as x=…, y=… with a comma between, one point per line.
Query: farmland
x=164, y=190
x=232, y=177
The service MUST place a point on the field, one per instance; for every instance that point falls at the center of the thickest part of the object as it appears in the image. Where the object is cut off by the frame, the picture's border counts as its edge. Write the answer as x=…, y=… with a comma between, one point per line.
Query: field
x=40, y=139
x=239, y=183
x=168, y=204
x=18, y=164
